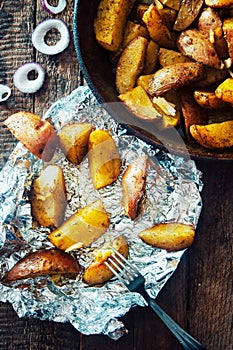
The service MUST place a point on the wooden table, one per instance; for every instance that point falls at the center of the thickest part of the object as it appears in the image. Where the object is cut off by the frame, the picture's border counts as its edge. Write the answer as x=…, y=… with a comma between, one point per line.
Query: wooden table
x=198, y=296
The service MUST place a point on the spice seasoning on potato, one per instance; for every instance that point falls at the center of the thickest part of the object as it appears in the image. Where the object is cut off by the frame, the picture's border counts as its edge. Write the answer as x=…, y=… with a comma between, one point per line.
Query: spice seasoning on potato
x=82, y=228
x=104, y=159
x=225, y=90
x=169, y=236
x=43, y=262
x=48, y=197
x=209, y=100
x=36, y=134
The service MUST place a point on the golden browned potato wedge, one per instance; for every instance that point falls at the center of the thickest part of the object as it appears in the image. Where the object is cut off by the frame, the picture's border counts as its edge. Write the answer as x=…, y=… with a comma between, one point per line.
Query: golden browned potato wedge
x=225, y=91
x=175, y=76
x=214, y=136
x=169, y=106
x=43, y=262
x=97, y=272
x=187, y=13
x=140, y=10
x=210, y=23
x=209, y=100
x=82, y=228
x=173, y=4
x=133, y=186
x=131, y=64
x=73, y=139
x=104, y=159
x=169, y=236
x=138, y=101
x=36, y=134
x=109, y=24
x=48, y=197
x=219, y=3
x=151, y=57
x=192, y=112
x=168, y=57
x=157, y=28
x=213, y=76
x=228, y=33
x=195, y=45
x=132, y=31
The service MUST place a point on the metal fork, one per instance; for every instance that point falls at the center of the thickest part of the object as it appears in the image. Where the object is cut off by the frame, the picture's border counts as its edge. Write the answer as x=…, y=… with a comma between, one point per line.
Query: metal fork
x=134, y=282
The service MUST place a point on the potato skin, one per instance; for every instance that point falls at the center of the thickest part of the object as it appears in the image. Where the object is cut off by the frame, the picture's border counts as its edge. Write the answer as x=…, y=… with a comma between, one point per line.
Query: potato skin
x=209, y=100
x=43, y=262
x=97, y=272
x=48, y=197
x=175, y=76
x=104, y=159
x=36, y=134
x=73, y=139
x=169, y=236
x=195, y=45
x=187, y=13
x=110, y=21
x=131, y=64
x=216, y=136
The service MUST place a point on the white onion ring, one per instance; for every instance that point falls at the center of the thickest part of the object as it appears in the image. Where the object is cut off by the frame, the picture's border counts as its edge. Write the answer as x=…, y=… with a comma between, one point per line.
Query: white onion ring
x=22, y=82
x=38, y=36
x=54, y=9
x=5, y=92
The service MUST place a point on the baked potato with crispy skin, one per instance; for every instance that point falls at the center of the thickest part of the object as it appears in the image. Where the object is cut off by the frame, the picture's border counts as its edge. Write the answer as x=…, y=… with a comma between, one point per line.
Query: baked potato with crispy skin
x=133, y=186
x=43, y=262
x=82, y=228
x=97, y=272
x=131, y=64
x=73, y=139
x=110, y=21
x=169, y=236
x=48, y=197
x=104, y=159
x=209, y=100
x=225, y=91
x=175, y=76
x=214, y=136
x=36, y=134
x=188, y=11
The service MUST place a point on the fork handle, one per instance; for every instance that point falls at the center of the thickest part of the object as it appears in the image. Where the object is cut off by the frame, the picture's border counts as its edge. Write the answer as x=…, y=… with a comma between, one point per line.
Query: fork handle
x=185, y=339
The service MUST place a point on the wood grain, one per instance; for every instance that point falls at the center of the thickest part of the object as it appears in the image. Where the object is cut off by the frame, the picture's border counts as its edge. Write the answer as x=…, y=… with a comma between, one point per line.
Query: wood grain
x=199, y=294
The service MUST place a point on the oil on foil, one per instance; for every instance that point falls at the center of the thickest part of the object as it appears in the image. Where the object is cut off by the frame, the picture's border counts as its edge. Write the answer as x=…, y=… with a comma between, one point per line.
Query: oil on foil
x=173, y=188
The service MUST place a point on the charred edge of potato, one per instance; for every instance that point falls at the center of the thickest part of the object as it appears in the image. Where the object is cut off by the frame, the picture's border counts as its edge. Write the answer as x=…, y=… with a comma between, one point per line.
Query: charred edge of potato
x=97, y=272
x=43, y=262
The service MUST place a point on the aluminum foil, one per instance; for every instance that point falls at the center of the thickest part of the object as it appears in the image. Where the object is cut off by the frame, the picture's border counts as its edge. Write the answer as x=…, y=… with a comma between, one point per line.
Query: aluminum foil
x=173, y=188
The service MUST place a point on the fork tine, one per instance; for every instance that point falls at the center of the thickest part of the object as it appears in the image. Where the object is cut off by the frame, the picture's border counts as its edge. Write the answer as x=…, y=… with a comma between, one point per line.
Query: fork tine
x=115, y=272
x=125, y=261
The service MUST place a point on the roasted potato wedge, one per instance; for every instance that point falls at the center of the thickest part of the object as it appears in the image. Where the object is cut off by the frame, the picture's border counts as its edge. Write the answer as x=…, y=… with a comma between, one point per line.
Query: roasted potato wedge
x=195, y=45
x=138, y=101
x=82, y=228
x=109, y=24
x=168, y=57
x=192, y=112
x=209, y=100
x=36, y=134
x=48, y=197
x=73, y=139
x=104, y=159
x=169, y=236
x=219, y=3
x=214, y=136
x=225, y=91
x=151, y=57
x=131, y=64
x=175, y=76
x=173, y=4
x=213, y=76
x=97, y=272
x=188, y=11
x=43, y=262
x=157, y=28
x=133, y=186
x=228, y=34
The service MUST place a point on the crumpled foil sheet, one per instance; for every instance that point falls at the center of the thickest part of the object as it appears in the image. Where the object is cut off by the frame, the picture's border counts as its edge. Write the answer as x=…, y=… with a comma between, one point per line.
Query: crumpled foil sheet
x=173, y=190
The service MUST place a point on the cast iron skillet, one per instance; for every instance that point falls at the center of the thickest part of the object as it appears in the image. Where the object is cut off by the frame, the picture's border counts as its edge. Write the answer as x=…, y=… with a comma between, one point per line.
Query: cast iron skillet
x=99, y=74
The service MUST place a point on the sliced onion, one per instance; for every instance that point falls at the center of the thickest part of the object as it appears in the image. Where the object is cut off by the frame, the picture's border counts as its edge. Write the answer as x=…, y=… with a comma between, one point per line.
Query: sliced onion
x=23, y=83
x=38, y=36
x=5, y=92
x=54, y=9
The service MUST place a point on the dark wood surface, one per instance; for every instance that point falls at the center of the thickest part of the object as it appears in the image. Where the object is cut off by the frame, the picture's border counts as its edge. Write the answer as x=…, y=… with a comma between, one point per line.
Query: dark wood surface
x=199, y=294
